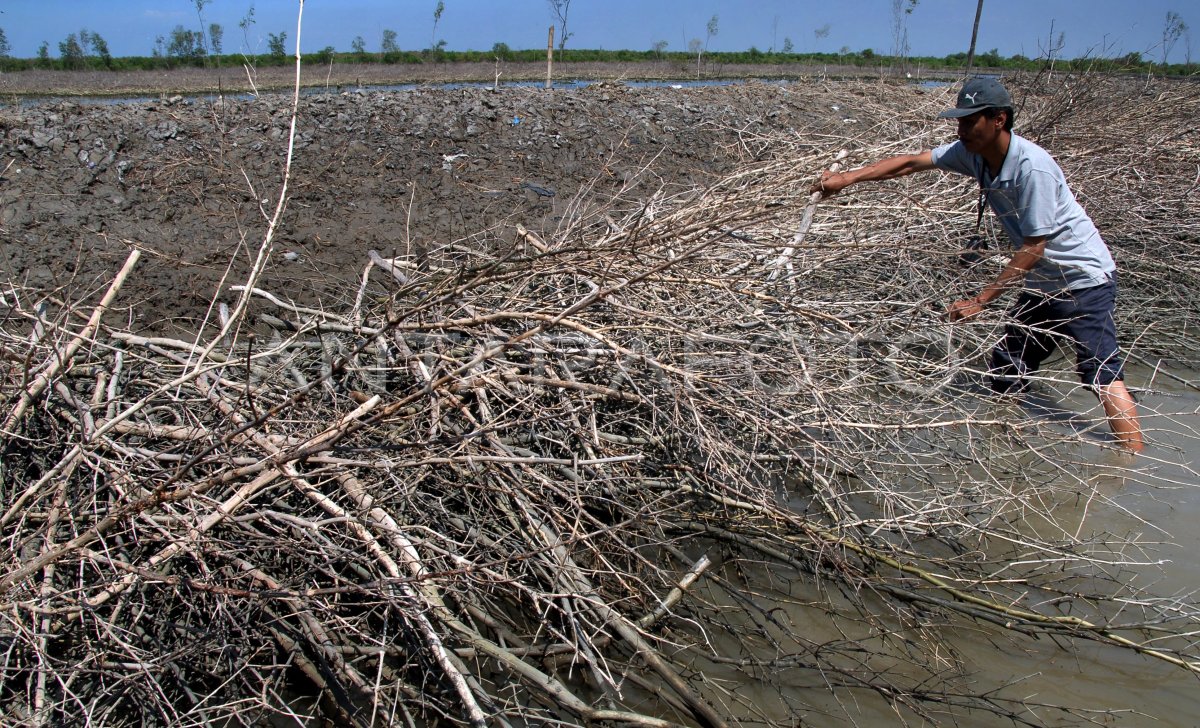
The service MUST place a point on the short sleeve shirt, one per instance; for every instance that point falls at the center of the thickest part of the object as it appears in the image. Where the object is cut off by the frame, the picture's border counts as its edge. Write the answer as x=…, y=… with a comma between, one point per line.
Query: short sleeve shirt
x=1031, y=198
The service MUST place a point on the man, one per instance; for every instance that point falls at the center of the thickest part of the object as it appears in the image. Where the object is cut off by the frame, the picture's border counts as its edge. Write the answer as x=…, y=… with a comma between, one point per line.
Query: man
x=1068, y=274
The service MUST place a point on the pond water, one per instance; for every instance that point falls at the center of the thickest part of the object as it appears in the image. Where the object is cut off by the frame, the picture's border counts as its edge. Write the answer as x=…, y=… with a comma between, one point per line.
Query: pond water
x=1153, y=499
x=1156, y=498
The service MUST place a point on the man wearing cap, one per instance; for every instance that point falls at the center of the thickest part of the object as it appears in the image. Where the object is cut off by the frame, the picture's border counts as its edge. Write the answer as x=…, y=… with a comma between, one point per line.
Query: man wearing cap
x=1068, y=274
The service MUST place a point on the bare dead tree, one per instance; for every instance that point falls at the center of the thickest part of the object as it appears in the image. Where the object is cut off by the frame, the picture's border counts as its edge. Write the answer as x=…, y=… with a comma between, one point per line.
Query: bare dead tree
x=1173, y=29
x=561, y=9
x=901, y=11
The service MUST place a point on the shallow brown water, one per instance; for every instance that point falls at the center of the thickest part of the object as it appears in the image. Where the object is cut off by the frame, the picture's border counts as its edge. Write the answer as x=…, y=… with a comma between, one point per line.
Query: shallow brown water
x=1156, y=495
x=1153, y=500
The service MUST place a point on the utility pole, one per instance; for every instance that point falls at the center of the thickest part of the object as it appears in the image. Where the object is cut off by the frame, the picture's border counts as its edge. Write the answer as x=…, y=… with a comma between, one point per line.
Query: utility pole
x=974, y=35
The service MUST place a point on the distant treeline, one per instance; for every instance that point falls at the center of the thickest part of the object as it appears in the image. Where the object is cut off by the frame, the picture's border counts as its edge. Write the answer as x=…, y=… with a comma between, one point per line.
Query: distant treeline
x=1132, y=62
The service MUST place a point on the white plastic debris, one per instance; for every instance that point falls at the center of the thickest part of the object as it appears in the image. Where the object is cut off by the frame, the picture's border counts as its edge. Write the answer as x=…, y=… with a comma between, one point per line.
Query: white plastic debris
x=448, y=160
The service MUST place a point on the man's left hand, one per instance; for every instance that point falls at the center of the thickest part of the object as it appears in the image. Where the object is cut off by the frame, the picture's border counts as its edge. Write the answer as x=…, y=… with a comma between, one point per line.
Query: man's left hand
x=964, y=310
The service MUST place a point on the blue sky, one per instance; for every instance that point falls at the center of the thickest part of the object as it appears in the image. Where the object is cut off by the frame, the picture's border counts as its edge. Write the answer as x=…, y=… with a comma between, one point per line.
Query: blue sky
x=936, y=27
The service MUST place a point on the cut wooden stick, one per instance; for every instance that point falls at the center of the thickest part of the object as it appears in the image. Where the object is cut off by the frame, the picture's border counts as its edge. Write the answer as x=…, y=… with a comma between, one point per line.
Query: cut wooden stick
x=785, y=258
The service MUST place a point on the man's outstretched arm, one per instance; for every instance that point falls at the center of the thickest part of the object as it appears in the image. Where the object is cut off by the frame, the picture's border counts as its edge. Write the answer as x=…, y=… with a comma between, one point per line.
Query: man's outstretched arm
x=834, y=182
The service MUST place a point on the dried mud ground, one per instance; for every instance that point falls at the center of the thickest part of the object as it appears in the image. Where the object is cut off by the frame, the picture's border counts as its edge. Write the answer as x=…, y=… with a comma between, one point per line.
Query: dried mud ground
x=192, y=182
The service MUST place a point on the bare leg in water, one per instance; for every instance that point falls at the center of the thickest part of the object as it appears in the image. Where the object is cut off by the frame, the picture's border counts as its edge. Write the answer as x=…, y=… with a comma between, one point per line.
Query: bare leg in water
x=1122, y=414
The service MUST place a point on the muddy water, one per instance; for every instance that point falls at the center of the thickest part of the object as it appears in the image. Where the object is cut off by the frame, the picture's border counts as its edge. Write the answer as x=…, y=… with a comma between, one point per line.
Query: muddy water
x=1152, y=500
x=1160, y=499
x=1155, y=498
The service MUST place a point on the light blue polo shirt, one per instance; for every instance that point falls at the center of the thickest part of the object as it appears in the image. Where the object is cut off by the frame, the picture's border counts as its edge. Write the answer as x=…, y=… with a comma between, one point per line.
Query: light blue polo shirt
x=1031, y=198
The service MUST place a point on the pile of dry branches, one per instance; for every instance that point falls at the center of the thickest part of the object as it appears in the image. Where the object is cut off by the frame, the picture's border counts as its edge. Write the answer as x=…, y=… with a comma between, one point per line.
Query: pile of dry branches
x=595, y=477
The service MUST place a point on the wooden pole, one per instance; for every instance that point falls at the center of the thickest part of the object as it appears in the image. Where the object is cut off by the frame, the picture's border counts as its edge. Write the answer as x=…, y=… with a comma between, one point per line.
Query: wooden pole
x=550, y=58
x=974, y=35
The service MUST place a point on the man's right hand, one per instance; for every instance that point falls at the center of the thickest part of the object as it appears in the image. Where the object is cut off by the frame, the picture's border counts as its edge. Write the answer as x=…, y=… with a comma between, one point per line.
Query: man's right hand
x=834, y=182
x=830, y=184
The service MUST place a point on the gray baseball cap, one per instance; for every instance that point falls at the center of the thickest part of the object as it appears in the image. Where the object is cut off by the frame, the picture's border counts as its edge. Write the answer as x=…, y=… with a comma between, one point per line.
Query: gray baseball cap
x=978, y=94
